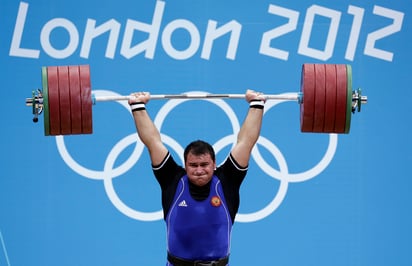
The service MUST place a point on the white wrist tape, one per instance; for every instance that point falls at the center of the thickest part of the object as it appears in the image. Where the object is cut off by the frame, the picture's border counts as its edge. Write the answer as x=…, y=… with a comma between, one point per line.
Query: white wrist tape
x=137, y=106
x=259, y=104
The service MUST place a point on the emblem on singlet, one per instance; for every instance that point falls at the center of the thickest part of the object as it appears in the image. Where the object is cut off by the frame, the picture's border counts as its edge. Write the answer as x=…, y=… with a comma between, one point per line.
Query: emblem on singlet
x=215, y=201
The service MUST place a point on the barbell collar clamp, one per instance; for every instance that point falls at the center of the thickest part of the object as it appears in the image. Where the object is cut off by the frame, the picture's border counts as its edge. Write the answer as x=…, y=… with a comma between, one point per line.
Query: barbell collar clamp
x=36, y=102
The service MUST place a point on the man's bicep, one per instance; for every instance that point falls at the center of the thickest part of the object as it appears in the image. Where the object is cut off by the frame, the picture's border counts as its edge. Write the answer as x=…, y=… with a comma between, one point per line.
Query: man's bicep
x=241, y=154
x=158, y=153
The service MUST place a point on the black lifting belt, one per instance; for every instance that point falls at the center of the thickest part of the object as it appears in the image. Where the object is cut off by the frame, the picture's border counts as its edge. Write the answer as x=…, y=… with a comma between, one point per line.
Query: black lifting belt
x=182, y=262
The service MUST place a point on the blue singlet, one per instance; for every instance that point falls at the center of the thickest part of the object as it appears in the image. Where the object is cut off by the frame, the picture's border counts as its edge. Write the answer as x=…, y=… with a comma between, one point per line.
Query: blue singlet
x=199, y=229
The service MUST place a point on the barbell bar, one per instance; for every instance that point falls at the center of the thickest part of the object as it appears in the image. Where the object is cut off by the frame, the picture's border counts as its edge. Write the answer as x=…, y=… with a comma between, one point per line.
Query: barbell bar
x=326, y=99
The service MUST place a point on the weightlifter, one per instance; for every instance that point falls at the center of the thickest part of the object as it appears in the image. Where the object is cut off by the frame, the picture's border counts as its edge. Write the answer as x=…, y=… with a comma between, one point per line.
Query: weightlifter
x=199, y=200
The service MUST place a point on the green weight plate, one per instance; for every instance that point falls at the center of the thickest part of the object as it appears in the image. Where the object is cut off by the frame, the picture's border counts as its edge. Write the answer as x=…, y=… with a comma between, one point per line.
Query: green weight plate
x=348, y=98
x=45, y=101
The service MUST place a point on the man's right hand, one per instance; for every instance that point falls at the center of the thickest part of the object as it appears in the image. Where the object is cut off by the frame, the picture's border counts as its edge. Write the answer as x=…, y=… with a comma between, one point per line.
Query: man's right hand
x=139, y=97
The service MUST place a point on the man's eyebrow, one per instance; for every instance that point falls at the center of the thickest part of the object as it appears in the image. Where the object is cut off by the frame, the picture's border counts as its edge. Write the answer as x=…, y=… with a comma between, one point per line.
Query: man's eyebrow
x=199, y=163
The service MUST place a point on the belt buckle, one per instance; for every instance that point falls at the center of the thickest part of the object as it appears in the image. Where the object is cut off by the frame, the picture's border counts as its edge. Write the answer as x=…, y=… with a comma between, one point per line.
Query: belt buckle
x=206, y=263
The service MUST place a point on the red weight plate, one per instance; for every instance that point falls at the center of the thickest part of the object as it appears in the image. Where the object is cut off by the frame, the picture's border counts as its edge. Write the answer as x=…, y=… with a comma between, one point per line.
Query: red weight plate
x=54, y=101
x=320, y=98
x=86, y=99
x=341, y=100
x=75, y=100
x=330, y=108
x=307, y=107
x=64, y=96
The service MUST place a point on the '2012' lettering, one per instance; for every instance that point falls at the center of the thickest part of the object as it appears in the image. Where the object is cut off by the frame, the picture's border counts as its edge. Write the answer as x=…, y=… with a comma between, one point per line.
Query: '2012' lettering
x=334, y=17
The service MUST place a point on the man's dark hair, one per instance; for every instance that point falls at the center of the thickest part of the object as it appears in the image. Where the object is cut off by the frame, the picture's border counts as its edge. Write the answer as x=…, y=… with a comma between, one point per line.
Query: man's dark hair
x=199, y=147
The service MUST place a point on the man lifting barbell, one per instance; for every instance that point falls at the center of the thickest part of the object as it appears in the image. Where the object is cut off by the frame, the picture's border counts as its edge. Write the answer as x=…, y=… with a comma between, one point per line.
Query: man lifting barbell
x=199, y=201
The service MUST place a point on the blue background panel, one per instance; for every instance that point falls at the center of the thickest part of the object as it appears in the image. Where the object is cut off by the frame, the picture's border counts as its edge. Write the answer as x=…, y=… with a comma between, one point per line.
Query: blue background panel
x=309, y=199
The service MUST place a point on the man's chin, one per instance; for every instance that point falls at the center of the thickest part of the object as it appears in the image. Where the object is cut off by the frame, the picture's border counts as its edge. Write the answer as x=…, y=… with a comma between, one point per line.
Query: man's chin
x=201, y=181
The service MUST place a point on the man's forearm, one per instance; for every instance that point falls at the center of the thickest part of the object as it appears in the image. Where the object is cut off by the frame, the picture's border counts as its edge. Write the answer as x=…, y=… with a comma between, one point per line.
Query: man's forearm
x=147, y=131
x=250, y=130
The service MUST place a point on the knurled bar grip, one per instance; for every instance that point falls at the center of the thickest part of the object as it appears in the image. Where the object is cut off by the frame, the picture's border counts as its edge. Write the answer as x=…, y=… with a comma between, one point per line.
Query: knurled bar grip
x=286, y=97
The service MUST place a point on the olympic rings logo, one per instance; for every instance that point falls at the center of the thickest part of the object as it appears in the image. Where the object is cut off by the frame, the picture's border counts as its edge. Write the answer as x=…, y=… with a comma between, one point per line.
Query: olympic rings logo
x=110, y=172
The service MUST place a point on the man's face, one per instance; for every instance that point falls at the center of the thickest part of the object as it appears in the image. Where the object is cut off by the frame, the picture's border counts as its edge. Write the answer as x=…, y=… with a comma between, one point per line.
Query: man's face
x=199, y=168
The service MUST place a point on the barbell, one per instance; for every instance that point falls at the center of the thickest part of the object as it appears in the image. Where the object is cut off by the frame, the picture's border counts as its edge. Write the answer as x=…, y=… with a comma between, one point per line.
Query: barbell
x=326, y=99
